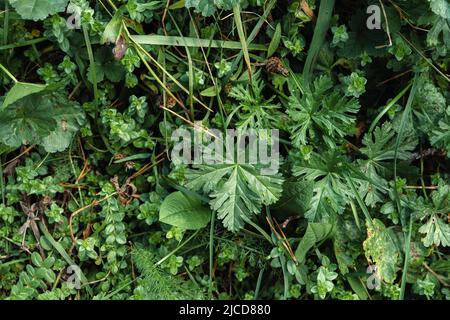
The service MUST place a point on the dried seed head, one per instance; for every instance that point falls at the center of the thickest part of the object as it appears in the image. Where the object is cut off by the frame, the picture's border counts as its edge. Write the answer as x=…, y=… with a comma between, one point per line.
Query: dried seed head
x=171, y=102
x=274, y=65
x=46, y=200
x=120, y=49
x=129, y=165
x=119, y=156
x=227, y=88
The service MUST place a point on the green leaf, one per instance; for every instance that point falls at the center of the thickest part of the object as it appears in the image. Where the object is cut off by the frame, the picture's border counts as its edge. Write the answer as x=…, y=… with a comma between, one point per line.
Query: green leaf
x=441, y=8
x=440, y=135
x=315, y=233
x=69, y=120
x=440, y=26
x=295, y=198
x=235, y=202
x=320, y=32
x=210, y=92
x=321, y=113
x=380, y=248
x=112, y=29
x=379, y=148
x=275, y=42
x=38, y=9
x=21, y=90
x=36, y=259
x=208, y=7
x=240, y=196
x=183, y=211
x=49, y=120
x=358, y=287
x=177, y=5
x=436, y=232
x=205, y=7
x=105, y=65
x=330, y=192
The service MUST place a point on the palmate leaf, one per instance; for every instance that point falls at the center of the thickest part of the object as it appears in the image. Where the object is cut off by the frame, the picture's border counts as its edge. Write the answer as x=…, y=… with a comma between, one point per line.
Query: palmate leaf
x=331, y=192
x=38, y=9
x=429, y=105
x=379, y=148
x=208, y=7
x=321, y=112
x=235, y=201
x=436, y=232
x=48, y=120
x=440, y=23
x=440, y=136
x=240, y=191
x=440, y=7
x=255, y=110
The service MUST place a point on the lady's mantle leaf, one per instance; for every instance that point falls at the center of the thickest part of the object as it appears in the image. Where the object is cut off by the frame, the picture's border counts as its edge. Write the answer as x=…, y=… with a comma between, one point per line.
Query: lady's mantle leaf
x=208, y=7
x=183, y=211
x=48, y=120
x=38, y=9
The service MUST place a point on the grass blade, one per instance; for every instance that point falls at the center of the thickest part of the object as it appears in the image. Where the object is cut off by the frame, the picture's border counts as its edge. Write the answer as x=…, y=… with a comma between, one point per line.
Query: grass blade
x=405, y=116
x=177, y=41
x=322, y=26
x=241, y=33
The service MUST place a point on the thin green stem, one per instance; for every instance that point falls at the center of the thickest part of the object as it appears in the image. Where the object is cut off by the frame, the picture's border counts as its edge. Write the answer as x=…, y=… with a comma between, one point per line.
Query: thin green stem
x=9, y=74
x=258, y=284
x=389, y=106
x=211, y=253
x=6, y=24
x=2, y=182
x=407, y=257
x=93, y=72
x=177, y=248
x=22, y=44
x=320, y=32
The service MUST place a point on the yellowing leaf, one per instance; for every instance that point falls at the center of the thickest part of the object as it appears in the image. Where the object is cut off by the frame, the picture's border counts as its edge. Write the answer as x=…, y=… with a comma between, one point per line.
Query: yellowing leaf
x=380, y=248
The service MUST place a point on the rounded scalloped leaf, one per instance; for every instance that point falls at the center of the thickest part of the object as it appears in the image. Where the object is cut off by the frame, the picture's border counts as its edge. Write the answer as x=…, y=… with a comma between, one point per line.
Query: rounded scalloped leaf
x=38, y=9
